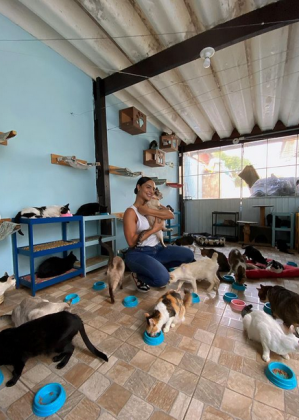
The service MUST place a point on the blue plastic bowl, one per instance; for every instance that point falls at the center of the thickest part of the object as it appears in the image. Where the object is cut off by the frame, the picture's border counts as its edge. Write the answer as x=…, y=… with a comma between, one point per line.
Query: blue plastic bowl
x=73, y=297
x=238, y=286
x=1, y=377
x=228, y=278
x=48, y=400
x=292, y=263
x=99, y=285
x=267, y=308
x=172, y=268
x=153, y=341
x=195, y=298
x=287, y=380
x=130, y=301
x=229, y=296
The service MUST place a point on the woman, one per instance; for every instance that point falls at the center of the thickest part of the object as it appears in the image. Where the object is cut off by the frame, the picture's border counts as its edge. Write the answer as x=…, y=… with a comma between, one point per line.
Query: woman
x=150, y=260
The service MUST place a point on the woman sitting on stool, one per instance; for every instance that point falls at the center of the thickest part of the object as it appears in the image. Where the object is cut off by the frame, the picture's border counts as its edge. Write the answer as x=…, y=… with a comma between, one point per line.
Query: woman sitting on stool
x=149, y=261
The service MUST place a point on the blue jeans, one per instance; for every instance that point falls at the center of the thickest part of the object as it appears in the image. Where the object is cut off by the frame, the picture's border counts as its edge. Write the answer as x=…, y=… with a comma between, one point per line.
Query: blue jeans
x=150, y=263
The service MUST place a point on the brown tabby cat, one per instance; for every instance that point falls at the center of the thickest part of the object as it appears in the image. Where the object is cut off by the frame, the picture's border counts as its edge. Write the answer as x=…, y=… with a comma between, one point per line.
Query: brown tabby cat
x=284, y=303
x=222, y=260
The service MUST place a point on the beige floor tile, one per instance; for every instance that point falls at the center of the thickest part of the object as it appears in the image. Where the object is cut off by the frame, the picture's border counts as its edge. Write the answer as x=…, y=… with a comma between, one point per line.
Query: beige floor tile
x=215, y=373
x=172, y=355
x=186, y=330
x=9, y=395
x=203, y=350
x=22, y=408
x=292, y=403
x=194, y=410
x=231, y=361
x=159, y=415
x=136, y=409
x=180, y=406
x=120, y=372
x=184, y=381
x=86, y=409
x=224, y=343
x=214, y=354
x=107, y=365
x=254, y=369
x=259, y=411
x=162, y=396
x=109, y=327
x=106, y=416
x=114, y=399
x=209, y=392
x=143, y=360
x=35, y=375
x=189, y=345
x=78, y=374
x=204, y=336
x=172, y=338
x=162, y=370
x=240, y=383
x=210, y=413
x=140, y=383
x=95, y=385
x=237, y=405
x=270, y=395
x=126, y=352
x=245, y=350
x=192, y=363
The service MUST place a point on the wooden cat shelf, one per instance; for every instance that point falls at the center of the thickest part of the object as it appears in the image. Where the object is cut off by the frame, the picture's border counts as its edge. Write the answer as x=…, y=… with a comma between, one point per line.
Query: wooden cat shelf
x=5, y=136
x=72, y=161
x=115, y=170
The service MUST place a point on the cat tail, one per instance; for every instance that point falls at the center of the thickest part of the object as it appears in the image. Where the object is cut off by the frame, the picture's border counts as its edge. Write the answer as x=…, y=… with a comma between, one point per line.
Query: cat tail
x=109, y=249
x=90, y=346
x=17, y=220
x=187, y=301
x=246, y=310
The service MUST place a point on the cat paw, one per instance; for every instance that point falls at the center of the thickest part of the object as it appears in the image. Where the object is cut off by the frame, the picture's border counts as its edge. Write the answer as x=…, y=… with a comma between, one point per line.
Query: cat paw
x=172, y=325
x=166, y=329
x=285, y=356
x=266, y=358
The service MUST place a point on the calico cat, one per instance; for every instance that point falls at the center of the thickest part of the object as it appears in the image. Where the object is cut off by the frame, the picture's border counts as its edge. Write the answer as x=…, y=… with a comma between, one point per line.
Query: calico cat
x=237, y=265
x=284, y=303
x=48, y=334
x=40, y=212
x=254, y=254
x=222, y=260
x=282, y=246
x=115, y=271
x=204, y=269
x=91, y=209
x=154, y=203
x=262, y=328
x=275, y=266
x=55, y=266
x=169, y=311
x=32, y=308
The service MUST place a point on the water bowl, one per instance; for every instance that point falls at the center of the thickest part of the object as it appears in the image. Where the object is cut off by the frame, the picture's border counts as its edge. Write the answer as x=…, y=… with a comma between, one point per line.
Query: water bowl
x=267, y=308
x=229, y=296
x=1, y=377
x=99, y=285
x=48, y=400
x=292, y=263
x=281, y=375
x=73, y=298
x=237, y=304
x=238, y=286
x=130, y=301
x=153, y=341
x=229, y=279
x=195, y=298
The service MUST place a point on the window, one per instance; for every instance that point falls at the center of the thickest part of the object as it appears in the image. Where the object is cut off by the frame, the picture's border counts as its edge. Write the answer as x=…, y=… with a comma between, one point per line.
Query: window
x=214, y=173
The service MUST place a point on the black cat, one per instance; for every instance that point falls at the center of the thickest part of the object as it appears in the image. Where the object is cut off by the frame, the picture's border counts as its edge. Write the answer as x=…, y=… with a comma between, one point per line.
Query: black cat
x=185, y=240
x=153, y=145
x=55, y=266
x=282, y=246
x=91, y=209
x=48, y=334
x=254, y=254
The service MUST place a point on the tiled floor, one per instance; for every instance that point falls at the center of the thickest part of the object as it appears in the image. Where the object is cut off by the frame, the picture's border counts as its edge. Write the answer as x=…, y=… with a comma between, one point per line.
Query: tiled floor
x=206, y=368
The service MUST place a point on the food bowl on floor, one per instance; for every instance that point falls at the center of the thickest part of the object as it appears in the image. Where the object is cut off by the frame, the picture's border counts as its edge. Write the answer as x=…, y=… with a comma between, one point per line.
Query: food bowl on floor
x=99, y=285
x=48, y=400
x=195, y=298
x=238, y=286
x=130, y=301
x=1, y=377
x=267, y=308
x=72, y=298
x=229, y=296
x=153, y=341
x=237, y=304
x=292, y=263
x=229, y=279
x=281, y=375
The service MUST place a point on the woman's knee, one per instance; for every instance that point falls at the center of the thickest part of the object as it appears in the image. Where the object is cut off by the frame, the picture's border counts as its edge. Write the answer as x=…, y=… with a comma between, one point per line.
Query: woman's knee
x=186, y=255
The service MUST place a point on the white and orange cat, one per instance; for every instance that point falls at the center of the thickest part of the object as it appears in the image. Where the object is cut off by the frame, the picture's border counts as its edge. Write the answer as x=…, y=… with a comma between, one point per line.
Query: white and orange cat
x=169, y=311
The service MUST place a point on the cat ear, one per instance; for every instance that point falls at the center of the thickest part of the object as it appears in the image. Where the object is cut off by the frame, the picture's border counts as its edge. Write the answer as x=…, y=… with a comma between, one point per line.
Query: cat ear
x=6, y=273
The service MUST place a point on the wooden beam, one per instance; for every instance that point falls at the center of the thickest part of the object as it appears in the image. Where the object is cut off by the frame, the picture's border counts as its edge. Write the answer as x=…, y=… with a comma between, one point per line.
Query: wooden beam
x=259, y=21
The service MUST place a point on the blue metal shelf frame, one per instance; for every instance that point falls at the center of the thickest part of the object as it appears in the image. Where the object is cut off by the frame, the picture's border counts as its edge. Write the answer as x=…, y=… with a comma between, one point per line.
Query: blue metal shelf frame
x=168, y=235
x=32, y=255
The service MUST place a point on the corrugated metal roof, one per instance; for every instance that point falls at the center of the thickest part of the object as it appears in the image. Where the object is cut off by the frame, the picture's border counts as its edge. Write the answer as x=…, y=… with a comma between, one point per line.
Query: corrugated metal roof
x=255, y=82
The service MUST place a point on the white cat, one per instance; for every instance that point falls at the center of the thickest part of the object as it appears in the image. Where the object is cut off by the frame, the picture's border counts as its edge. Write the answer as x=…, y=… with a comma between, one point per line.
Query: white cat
x=6, y=282
x=204, y=269
x=263, y=328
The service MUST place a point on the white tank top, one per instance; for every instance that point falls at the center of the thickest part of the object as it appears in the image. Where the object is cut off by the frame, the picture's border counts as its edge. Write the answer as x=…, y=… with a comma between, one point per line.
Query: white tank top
x=143, y=224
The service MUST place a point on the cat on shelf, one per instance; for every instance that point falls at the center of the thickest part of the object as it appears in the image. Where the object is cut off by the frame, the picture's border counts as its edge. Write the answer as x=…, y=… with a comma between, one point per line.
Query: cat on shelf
x=56, y=266
x=91, y=209
x=41, y=212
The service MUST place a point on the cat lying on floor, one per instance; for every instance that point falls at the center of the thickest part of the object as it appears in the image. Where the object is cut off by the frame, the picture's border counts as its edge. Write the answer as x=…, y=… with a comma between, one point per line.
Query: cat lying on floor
x=32, y=308
x=48, y=334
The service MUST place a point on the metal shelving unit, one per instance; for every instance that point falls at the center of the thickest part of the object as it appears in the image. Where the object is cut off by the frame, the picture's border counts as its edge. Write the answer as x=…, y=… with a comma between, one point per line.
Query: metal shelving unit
x=172, y=236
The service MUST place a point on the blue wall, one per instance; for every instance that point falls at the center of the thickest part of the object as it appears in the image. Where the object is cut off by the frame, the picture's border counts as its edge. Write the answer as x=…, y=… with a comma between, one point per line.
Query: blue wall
x=49, y=102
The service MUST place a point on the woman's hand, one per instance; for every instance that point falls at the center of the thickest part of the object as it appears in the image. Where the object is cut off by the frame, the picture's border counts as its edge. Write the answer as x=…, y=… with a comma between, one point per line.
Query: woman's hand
x=158, y=225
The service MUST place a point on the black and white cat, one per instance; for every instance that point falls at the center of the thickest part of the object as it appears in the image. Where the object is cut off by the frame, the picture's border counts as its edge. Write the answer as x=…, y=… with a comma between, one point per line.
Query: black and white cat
x=275, y=266
x=55, y=266
x=91, y=209
x=40, y=212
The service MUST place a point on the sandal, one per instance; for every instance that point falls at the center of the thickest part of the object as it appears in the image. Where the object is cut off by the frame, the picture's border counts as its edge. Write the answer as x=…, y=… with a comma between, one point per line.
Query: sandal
x=141, y=286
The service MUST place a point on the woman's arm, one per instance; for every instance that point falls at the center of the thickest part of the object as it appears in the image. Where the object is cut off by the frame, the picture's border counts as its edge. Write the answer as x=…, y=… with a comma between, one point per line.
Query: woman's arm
x=130, y=227
x=163, y=214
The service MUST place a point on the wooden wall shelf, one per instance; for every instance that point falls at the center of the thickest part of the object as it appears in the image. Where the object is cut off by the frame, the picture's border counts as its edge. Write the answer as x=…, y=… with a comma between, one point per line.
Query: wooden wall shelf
x=5, y=136
x=158, y=181
x=154, y=158
x=72, y=161
x=115, y=170
x=132, y=121
x=174, y=185
x=169, y=143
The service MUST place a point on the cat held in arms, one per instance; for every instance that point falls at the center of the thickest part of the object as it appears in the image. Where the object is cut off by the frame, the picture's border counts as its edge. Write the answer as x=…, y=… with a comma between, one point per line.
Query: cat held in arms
x=49, y=334
x=115, y=270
